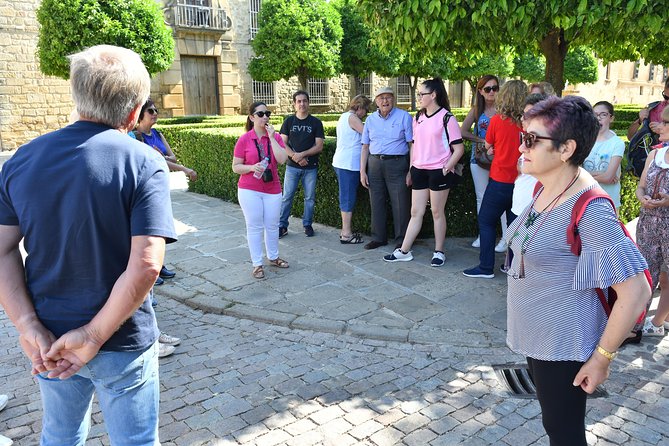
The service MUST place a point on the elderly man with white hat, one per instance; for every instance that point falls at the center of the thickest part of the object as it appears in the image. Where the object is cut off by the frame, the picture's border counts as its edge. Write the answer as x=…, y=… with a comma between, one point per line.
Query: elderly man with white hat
x=384, y=166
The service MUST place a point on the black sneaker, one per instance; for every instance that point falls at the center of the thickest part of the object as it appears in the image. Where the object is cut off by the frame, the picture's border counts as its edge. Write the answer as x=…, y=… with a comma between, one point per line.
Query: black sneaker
x=309, y=231
x=166, y=273
x=282, y=231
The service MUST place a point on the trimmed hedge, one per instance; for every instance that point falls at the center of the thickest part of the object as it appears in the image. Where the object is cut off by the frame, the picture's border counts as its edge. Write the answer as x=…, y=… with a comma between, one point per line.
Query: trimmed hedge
x=206, y=144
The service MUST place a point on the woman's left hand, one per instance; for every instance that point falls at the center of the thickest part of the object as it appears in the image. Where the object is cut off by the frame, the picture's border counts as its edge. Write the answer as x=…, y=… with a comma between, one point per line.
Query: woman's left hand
x=270, y=130
x=593, y=373
x=663, y=201
x=191, y=174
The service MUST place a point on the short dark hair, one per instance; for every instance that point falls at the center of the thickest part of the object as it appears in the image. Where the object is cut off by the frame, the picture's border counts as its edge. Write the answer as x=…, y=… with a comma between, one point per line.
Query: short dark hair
x=300, y=93
x=149, y=102
x=568, y=118
x=535, y=98
x=607, y=104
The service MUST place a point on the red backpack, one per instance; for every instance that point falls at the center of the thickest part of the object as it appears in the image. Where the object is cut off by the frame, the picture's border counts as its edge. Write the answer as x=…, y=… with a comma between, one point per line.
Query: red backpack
x=574, y=240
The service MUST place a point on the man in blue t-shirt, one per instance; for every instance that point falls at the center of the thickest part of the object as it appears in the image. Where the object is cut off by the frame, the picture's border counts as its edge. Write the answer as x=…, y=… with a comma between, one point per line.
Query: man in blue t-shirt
x=303, y=136
x=93, y=209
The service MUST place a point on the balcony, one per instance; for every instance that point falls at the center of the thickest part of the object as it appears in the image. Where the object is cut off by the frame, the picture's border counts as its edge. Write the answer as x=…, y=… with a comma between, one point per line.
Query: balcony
x=201, y=18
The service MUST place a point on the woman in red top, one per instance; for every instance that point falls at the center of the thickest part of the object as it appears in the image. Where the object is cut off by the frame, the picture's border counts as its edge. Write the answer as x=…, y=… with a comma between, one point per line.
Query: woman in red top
x=502, y=139
x=259, y=188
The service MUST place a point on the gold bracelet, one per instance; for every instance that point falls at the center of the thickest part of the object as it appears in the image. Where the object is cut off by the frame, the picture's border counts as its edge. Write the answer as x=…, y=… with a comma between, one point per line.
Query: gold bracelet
x=607, y=354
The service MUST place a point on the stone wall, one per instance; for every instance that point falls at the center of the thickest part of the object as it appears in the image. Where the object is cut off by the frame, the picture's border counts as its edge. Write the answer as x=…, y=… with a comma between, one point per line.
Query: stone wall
x=31, y=104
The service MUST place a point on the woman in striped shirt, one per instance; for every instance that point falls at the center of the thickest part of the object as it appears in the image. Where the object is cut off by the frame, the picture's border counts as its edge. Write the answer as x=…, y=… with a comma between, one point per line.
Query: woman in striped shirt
x=554, y=316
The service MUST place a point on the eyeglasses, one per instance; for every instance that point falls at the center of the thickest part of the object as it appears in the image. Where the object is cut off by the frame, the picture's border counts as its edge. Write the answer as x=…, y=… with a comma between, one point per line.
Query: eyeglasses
x=665, y=122
x=262, y=114
x=152, y=111
x=602, y=115
x=530, y=138
x=423, y=94
x=489, y=89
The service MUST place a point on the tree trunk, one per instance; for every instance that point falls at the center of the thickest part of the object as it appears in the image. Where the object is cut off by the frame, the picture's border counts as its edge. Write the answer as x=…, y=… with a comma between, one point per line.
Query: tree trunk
x=554, y=48
x=302, y=75
x=472, y=86
x=357, y=85
x=413, y=80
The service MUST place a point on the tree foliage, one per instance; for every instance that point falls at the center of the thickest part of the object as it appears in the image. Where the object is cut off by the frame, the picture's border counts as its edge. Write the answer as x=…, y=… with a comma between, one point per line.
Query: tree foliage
x=580, y=66
x=615, y=29
x=360, y=55
x=296, y=38
x=69, y=26
x=425, y=67
x=500, y=64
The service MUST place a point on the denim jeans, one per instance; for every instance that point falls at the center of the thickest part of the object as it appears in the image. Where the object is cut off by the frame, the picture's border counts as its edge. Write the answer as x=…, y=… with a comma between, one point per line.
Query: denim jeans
x=128, y=390
x=496, y=201
x=291, y=179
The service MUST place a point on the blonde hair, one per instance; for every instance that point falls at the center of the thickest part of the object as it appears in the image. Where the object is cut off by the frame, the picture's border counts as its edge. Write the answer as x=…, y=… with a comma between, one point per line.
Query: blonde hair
x=510, y=100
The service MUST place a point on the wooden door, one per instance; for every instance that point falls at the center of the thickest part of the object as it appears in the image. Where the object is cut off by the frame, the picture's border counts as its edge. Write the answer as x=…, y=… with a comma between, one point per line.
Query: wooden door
x=199, y=85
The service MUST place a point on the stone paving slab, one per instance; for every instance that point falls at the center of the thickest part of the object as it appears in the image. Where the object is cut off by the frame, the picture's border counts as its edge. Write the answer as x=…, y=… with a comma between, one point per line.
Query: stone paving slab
x=335, y=287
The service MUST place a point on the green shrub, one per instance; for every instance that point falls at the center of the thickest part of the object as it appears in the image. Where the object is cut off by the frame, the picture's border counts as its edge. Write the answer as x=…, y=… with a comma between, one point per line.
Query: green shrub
x=209, y=151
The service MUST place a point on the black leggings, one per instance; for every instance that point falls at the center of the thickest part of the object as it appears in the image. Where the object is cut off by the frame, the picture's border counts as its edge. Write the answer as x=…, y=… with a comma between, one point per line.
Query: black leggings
x=562, y=404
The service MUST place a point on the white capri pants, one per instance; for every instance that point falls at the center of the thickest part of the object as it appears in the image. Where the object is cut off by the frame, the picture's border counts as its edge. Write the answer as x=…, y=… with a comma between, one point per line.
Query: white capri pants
x=481, y=177
x=261, y=212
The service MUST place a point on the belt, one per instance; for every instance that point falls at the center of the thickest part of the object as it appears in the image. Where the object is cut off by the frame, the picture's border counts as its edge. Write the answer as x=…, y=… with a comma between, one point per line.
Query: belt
x=388, y=157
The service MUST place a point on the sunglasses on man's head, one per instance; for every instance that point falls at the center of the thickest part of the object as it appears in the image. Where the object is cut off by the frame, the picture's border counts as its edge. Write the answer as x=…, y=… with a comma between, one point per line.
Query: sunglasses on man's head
x=152, y=111
x=262, y=114
x=489, y=89
x=530, y=138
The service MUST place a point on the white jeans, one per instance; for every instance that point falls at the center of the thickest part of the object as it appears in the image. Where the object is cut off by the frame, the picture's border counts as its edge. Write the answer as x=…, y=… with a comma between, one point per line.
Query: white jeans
x=481, y=177
x=261, y=212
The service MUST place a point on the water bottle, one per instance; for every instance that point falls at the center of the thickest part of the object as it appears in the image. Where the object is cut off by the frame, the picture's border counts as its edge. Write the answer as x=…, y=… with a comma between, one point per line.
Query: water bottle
x=264, y=163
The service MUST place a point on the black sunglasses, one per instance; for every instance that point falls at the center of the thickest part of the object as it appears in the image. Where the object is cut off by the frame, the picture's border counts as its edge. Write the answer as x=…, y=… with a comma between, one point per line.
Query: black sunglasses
x=152, y=111
x=530, y=138
x=262, y=114
x=489, y=89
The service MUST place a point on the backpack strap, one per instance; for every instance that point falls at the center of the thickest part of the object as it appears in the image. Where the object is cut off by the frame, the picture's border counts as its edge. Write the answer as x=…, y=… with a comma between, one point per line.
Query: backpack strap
x=447, y=117
x=573, y=236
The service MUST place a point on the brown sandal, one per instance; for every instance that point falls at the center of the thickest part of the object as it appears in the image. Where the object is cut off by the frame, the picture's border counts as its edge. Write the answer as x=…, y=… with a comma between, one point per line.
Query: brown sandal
x=258, y=272
x=279, y=263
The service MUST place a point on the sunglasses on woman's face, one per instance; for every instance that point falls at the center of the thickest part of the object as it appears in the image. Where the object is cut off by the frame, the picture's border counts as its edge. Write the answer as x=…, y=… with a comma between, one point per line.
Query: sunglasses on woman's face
x=152, y=111
x=489, y=89
x=530, y=138
x=262, y=114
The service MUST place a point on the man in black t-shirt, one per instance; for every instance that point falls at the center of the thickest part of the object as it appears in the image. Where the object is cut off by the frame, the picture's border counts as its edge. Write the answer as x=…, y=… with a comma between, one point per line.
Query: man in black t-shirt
x=303, y=135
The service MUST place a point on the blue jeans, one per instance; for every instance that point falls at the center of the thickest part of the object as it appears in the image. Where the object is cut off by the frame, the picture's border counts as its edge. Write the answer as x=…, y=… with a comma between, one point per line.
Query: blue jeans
x=291, y=180
x=496, y=201
x=127, y=388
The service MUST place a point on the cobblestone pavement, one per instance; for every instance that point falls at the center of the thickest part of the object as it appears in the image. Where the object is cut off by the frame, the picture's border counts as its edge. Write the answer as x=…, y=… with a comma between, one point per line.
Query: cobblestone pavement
x=349, y=351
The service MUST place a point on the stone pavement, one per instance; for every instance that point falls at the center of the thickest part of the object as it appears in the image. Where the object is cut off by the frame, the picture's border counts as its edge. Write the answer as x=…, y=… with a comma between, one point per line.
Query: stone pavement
x=341, y=349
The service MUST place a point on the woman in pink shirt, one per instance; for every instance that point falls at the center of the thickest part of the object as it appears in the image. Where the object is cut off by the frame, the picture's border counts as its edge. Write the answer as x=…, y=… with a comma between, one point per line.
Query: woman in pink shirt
x=437, y=148
x=259, y=188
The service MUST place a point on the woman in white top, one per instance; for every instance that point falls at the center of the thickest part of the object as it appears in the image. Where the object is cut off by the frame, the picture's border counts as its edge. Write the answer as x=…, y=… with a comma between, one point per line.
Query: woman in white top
x=604, y=160
x=346, y=162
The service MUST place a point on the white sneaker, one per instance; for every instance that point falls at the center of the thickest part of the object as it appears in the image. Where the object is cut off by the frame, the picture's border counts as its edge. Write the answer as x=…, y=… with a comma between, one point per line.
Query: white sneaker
x=398, y=256
x=476, y=243
x=3, y=401
x=438, y=259
x=169, y=340
x=649, y=329
x=501, y=246
x=4, y=441
x=165, y=350
x=666, y=325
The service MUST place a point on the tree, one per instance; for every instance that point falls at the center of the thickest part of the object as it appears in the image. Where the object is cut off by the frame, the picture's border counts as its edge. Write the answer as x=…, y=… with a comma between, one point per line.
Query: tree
x=580, y=66
x=427, y=67
x=296, y=38
x=360, y=56
x=500, y=64
x=69, y=26
x=615, y=29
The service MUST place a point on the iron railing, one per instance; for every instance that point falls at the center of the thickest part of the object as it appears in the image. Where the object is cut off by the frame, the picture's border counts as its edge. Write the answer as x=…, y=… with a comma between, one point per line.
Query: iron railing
x=201, y=17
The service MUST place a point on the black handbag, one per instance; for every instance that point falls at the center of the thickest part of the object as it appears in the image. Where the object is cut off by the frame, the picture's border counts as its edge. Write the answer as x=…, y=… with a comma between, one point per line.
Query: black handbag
x=483, y=160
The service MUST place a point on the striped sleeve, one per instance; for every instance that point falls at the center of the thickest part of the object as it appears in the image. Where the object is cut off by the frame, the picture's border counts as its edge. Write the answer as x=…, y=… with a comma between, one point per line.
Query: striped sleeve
x=608, y=256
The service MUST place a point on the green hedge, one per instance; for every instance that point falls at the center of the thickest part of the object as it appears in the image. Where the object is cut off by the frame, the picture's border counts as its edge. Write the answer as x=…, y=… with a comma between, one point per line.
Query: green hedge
x=209, y=151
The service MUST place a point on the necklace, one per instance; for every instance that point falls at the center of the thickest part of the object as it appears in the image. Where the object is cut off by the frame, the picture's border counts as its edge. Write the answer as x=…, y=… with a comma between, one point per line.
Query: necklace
x=530, y=216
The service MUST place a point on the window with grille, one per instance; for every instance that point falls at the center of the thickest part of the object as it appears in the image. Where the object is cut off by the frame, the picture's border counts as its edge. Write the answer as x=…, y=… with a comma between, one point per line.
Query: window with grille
x=254, y=9
x=366, y=86
x=403, y=93
x=665, y=74
x=651, y=73
x=635, y=74
x=319, y=91
x=264, y=91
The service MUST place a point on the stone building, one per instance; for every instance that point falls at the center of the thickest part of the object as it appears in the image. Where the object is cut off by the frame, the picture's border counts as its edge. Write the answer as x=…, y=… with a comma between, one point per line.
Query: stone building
x=209, y=74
